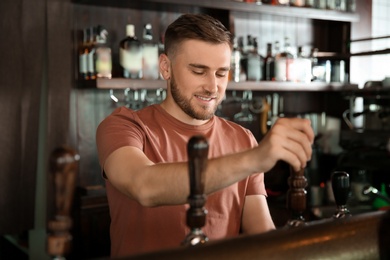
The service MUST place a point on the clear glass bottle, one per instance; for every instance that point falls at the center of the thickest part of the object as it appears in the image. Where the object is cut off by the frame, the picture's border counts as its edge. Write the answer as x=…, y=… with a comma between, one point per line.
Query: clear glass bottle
x=269, y=64
x=91, y=53
x=150, y=54
x=297, y=3
x=102, y=59
x=243, y=60
x=284, y=62
x=302, y=67
x=83, y=56
x=254, y=62
x=309, y=3
x=130, y=54
x=235, y=62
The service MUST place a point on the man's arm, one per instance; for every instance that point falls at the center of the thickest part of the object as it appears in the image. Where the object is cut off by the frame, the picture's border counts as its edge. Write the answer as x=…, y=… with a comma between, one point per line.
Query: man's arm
x=131, y=172
x=256, y=217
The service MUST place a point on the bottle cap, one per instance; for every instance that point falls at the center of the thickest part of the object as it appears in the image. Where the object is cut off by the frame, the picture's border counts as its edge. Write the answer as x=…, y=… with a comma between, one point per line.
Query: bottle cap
x=130, y=30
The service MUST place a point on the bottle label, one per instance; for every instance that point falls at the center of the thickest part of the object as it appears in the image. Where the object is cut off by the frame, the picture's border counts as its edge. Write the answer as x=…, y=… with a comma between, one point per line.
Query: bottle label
x=254, y=68
x=103, y=62
x=131, y=60
x=90, y=62
x=150, y=62
x=83, y=68
x=281, y=69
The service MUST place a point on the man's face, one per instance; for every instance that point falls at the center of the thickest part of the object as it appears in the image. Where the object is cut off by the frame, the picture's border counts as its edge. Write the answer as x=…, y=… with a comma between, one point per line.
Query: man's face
x=199, y=77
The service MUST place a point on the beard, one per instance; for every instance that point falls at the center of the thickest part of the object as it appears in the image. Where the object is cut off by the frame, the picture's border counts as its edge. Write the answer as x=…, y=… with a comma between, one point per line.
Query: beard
x=203, y=113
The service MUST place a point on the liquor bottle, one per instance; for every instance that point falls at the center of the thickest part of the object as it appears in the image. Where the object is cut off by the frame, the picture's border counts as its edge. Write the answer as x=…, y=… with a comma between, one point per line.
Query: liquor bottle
x=269, y=64
x=331, y=4
x=282, y=2
x=235, y=62
x=309, y=3
x=243, y=60
x=102, y=59
x=351, y=6
x=284, y=62
x=302, y=67
x=317, y=70
x=130, y=54
x=150, y=54
x=320, y=4
x=297, y=3
x=254, y=62
x=91, y=53
x=245, y=49
x=83, y=56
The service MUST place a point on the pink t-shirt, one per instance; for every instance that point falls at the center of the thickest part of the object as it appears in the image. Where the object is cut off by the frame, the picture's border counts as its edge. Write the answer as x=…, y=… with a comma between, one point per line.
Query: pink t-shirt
x=137, y=229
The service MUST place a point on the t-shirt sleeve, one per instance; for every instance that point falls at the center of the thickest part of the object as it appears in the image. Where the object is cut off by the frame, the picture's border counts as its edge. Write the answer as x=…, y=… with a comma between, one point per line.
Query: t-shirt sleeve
x=255, y=181
x=256, y=185
x=116, y=131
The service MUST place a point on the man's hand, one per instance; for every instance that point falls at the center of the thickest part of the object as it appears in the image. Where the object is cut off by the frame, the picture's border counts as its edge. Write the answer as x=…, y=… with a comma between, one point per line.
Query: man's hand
x=289, y=140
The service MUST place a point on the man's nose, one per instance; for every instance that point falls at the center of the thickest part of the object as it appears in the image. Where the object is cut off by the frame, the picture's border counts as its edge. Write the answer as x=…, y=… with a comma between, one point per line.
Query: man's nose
x=212, y=84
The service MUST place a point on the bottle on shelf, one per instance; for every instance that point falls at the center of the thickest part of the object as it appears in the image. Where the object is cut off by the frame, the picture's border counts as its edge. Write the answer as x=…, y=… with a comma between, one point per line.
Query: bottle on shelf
x=309, y=3
x=269, y=64
x=331, y=4
x=91, y=53
x=320, y=4
x=302, y=67
x=351, y=6
x=130, y=54
x=284, y=63
x=235, y=62
x=254, y=62
x=150, y=54
x=83, y=55
x=243, y=60
x=245, y=49
x=297, y=3
x=102, y=58
x=281, y=2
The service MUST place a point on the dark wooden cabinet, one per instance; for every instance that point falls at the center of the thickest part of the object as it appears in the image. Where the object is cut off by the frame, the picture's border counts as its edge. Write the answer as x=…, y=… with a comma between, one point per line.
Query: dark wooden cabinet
x=91, y=238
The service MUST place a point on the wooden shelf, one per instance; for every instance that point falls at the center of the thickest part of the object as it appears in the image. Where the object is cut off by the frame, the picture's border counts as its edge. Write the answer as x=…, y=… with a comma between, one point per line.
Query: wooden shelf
x=230, y=5
x=122, y=83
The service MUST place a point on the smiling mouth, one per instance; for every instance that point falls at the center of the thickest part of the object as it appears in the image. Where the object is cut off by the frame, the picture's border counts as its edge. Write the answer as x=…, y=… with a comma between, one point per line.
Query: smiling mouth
x=204, y=98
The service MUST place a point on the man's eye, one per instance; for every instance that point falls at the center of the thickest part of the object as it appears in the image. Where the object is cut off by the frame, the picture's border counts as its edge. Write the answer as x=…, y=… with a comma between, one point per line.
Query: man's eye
x=221, y=74
x=198, y=72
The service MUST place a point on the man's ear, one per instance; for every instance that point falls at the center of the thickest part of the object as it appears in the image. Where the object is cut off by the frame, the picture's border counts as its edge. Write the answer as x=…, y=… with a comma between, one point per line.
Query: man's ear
x=165, y=66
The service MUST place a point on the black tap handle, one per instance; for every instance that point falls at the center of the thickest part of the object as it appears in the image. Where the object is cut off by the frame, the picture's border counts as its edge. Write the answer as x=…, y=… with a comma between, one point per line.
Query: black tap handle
x=341, y=187
x=197, y=149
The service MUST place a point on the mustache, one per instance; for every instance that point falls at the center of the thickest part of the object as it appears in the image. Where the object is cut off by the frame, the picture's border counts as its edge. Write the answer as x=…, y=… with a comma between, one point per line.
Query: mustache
x=208, y=94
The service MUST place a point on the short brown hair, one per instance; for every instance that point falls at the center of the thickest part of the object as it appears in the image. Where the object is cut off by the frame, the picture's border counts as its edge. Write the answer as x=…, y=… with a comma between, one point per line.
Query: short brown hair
x=197, y=27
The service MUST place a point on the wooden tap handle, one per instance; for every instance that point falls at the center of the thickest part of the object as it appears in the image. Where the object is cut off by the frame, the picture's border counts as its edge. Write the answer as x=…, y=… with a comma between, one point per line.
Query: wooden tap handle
x=63, y=168
x=296, y=197
x=196, y=214
x=197, y=149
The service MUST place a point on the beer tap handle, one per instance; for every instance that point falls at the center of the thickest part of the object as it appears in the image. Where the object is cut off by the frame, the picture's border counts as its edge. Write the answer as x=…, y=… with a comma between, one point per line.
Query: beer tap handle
x=341, y=189
x=196, y=215
x=63, y=169
x=296, y=197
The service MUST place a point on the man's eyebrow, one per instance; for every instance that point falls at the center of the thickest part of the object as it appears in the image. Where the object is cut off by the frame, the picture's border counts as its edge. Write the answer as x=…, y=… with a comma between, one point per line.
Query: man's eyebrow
x=200, y=66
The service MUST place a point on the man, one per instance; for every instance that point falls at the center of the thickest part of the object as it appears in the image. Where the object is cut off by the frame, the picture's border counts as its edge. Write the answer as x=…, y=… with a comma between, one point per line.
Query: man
x=144, y=159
